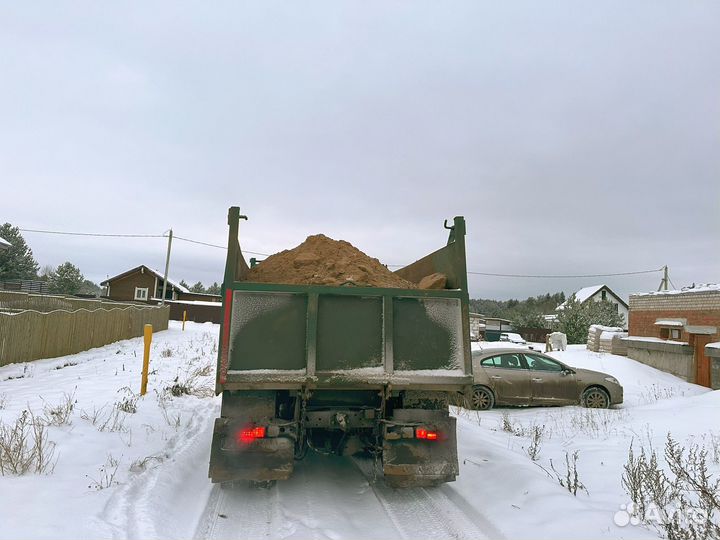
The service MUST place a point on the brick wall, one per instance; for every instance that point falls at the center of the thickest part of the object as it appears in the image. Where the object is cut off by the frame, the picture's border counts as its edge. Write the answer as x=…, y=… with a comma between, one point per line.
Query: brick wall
x=699, y=308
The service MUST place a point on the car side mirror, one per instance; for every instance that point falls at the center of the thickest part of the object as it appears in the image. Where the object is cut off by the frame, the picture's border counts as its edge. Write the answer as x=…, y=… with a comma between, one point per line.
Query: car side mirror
x=567, y=371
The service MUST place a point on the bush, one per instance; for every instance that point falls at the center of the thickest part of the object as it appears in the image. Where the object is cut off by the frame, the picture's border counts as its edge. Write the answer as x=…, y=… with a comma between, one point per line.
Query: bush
x=681, y=501
x=24, y=446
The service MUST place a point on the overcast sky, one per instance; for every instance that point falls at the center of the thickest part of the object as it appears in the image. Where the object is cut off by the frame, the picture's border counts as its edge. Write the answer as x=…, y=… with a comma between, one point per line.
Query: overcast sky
x=575, y=137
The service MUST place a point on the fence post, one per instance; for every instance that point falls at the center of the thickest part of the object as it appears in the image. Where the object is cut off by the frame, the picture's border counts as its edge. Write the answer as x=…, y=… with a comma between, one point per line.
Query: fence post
x=146, y=359
x=184, y=318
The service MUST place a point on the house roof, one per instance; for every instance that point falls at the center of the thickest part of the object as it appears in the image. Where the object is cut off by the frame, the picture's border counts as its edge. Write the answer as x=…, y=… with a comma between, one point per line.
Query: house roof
x=157, y=274
x=700, y=287
x=584, y=294
x=4, y=244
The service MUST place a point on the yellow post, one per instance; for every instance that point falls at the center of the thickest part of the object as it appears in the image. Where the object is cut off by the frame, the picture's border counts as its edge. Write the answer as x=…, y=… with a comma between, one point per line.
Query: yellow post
x=184, y=318
x=146, y=359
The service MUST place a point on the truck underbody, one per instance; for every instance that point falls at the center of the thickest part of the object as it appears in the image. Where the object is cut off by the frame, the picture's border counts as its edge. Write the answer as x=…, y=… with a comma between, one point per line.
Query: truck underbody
x=261, y=433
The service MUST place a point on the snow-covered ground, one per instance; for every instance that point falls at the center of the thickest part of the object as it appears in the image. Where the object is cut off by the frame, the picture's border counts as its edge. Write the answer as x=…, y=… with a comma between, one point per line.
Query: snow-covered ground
x=144, y=473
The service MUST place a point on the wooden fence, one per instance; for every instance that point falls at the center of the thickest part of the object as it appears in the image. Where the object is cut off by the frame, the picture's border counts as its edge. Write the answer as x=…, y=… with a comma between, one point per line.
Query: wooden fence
x=57, y=326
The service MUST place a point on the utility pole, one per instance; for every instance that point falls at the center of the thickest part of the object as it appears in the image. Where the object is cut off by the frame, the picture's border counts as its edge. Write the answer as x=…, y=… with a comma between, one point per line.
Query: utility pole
x=167, y=267
x=665, y=279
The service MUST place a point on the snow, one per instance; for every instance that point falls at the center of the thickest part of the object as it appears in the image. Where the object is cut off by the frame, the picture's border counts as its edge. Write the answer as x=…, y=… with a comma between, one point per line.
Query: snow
x=170, y=281
x=582, y=295
x=615, y=329
x=715, y=345
x=654, y=340
x=702, y=287
x=191, y=302
x=500, y=492
x=669, y=322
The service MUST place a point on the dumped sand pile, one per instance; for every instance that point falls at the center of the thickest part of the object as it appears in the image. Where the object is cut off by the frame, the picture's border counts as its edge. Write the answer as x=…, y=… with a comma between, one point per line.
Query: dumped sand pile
x=320, y=260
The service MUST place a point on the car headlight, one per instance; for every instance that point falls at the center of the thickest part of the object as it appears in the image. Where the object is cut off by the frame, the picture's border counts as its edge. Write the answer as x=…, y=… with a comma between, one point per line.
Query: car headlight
x=612, y=380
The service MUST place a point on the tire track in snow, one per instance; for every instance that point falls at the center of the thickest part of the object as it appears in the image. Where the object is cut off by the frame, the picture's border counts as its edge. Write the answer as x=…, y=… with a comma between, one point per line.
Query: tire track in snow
x=131, y=511
x=240, y=512
x=427, y=513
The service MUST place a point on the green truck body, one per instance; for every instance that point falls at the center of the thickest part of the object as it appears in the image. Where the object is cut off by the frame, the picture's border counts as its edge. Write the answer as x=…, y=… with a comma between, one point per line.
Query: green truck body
x=342, y=370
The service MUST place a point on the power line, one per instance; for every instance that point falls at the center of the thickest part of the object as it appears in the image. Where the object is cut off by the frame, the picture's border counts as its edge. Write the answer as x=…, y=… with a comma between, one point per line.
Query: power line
x=198, y=242
x=95, y=234
x=566, y=276
x=112, y=235
x=491, y=274
x=217, y=246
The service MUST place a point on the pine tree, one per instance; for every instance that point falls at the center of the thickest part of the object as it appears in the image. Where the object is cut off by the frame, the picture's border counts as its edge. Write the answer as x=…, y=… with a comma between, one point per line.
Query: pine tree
x=66, y=279
x=183, y=284
x=575, y=318
x=198, y=288
x=573, y=321
x=214, y=288
x=16, y=262
x=45, y=272
x=90, y=287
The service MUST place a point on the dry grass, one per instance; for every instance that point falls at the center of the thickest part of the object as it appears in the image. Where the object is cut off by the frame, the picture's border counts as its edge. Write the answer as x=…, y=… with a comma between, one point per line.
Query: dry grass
x=106, y=477
x=24, y=446
x=59, y=415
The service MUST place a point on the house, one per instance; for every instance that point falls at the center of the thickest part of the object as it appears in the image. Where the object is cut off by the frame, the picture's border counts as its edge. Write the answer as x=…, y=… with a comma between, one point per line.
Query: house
x=4, y=244
x=598, y=293
x=142, y=284
x=477, y=326
x=670, y=330
x=494, y=326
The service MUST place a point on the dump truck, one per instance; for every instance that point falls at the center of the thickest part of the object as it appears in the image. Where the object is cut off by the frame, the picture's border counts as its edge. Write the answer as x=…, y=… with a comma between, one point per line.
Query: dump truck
x=342, y=370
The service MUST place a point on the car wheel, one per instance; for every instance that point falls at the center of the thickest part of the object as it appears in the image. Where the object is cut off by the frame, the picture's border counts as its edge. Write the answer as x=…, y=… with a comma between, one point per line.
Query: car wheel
x=482, y=398
x=595, y=398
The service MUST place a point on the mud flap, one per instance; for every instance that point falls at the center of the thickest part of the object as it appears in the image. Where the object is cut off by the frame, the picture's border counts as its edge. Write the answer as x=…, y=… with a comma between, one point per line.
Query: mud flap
x=259, y=460
x=410, y=462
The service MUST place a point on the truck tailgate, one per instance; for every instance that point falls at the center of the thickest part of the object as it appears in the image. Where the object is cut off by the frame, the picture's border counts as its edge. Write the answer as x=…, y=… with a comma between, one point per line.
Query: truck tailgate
x=295, y=335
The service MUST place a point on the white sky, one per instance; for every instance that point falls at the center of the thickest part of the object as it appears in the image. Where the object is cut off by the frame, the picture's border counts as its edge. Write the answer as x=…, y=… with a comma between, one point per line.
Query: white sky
x=575, y=137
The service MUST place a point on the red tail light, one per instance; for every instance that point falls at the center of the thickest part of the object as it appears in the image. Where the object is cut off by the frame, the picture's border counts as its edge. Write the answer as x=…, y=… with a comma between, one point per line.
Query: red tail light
x=249, y=434
x=225, y=345
x=423, y=433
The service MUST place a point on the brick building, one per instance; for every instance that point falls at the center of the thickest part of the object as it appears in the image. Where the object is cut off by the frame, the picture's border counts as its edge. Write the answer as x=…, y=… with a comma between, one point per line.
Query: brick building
x=668, y=314
x=670, y=329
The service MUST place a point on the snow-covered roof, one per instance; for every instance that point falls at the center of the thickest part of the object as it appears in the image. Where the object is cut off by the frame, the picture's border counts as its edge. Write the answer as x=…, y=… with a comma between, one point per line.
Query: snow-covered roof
x=4, y=244
x=170, y=281
x=670, y=322
x=702, y=287
x=157, y=274
x=586, y=293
